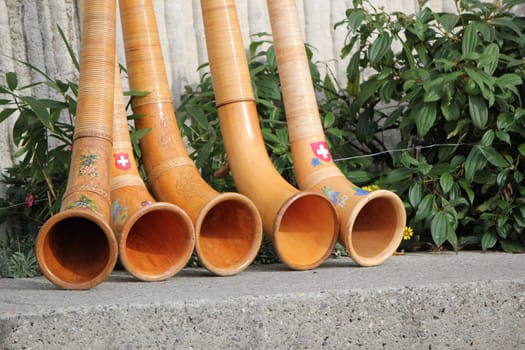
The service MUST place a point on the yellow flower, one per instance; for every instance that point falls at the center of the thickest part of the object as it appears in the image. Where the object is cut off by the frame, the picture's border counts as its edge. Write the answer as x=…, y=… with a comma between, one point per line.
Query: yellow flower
x=370, y=188
x=408, y=233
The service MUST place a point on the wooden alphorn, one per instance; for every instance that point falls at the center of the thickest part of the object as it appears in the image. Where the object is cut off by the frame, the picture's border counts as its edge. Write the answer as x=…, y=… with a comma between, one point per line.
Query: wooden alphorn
x=76, y=248
x=155, y=239
x=302, y=225
x=371, y=223
x=228, y=228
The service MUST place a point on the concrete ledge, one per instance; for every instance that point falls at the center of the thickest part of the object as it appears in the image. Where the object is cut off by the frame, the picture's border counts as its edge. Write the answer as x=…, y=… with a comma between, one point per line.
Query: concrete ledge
x=415, y=301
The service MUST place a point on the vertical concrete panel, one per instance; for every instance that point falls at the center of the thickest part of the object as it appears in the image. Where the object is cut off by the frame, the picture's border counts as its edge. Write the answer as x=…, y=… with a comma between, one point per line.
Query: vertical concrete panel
x=199, y=33
x=318, y=33
x=6, y=65
x=338, y=13
x=183, y=53
x=258, y=15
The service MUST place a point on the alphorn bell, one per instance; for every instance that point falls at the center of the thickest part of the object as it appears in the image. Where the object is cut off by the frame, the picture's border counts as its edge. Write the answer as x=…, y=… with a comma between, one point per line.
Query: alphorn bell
x=156, y=239
x=371, y=223
x=228, y=228
x=301, y=224
x=76, y=248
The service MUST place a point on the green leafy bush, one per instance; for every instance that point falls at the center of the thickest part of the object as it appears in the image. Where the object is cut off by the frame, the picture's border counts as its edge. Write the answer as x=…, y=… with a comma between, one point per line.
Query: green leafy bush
x=43, y=134
x=451, y=84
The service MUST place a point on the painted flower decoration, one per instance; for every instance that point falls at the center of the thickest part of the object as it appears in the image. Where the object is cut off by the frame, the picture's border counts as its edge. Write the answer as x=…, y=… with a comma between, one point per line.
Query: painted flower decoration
x=408, y=233
x=87, y=165
x=30, y=200
x=371, y=188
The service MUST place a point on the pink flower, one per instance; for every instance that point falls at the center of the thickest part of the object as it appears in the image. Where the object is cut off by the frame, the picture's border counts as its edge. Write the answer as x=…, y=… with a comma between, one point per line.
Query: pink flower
x=30, y=199
x=69, y=148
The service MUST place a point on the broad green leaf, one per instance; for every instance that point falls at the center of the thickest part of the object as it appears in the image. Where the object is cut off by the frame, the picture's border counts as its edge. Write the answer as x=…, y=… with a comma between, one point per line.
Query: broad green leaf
x=446, y=181
x=452, y=238
x=352, y=70
x=12, y=80
x=416, y=74
x=137, y=134
x=433, y=89
x=408, y=160
x=415, y=193
x=488, y=138
x=518, y=177
x=450, y=110
x=399, y=174
x=470, y=193
x=197, y=115
x=508, y=80
x=521, y=149
x=425, y=116
x=508, y=23
x=494, y=157
x=505, y=121
x=328, y=120
x=440, y=226
x=512, y=246
x=487, y=31
x=488, y=240
x=329, y=88
x=364, y=128
x=355, y=19
x=469, y=40
x=368, y=89
x=424, y=209
x=40, y=110
x=387, y=90
x=379, y=48
x=475, y=161
x=6, y=113
x=478, y=111
x=359, y=176
x=136, y=93
x=492, y=54
x=504, y=136
x=448, y=21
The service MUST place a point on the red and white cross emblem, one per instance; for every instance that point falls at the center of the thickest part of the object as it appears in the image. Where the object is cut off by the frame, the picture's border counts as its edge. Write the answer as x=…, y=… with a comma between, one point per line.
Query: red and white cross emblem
x=320, y=149
x=122, y=161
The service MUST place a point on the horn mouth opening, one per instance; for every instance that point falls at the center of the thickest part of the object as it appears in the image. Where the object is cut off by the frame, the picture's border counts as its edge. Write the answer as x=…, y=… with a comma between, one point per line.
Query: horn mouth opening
x=375, y=231
x=76, y=251
x=228, y=234
x=157, y=243
x=305, y=231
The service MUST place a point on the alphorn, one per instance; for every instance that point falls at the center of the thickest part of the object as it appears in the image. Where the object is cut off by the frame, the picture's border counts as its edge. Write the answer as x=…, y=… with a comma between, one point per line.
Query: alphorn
x=228, y=227
x=155, y=239
x=371, y=223
x=76, y=248
x=301, y=224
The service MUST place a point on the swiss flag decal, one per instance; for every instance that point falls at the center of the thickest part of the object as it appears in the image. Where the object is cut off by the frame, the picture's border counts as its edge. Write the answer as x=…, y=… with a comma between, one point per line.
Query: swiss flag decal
x=122, y=161
x=321, y=151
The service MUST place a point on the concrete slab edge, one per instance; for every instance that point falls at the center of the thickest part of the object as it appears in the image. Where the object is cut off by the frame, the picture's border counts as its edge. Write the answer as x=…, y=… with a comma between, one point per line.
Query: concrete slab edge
x=474, y=315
